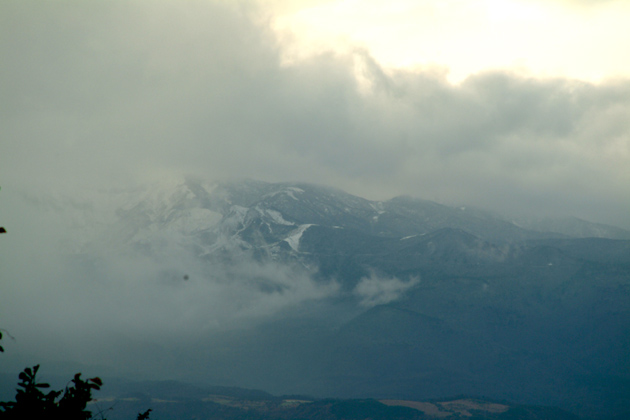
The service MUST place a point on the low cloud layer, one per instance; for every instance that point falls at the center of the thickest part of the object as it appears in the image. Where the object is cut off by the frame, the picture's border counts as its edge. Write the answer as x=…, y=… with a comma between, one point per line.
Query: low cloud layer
x=112, y=93
x=375, y=291
x=114, y=303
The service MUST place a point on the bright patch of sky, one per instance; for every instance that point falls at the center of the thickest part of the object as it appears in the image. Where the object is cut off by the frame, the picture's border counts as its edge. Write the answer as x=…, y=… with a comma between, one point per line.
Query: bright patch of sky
x=553, y=38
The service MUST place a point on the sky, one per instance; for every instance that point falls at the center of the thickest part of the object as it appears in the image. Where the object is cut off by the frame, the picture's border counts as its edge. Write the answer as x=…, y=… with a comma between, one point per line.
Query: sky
x=522, y=107
x=515, y=106
x=579, y=39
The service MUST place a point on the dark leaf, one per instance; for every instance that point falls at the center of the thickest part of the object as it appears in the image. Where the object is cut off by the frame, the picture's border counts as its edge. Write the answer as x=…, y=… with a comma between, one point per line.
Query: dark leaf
x=145, y=415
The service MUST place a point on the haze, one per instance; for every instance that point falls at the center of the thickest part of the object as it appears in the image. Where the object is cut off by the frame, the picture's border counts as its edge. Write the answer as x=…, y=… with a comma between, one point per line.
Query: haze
x=527, y=116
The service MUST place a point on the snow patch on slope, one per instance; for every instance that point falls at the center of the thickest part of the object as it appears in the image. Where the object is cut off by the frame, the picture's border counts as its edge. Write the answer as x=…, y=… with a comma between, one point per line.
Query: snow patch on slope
x=294, y=239
x=276, y=216
x=378, y=208
x=289, y=191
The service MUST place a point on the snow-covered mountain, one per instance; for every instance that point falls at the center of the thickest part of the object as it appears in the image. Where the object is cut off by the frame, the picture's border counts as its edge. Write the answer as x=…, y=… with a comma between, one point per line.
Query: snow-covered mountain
x=319, y=228
x=271, y=221
x=304, y=288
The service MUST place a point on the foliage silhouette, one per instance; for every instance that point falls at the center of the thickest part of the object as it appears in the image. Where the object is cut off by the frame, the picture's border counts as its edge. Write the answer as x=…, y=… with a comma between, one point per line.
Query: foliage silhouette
x=70, y=404
x=31, y=402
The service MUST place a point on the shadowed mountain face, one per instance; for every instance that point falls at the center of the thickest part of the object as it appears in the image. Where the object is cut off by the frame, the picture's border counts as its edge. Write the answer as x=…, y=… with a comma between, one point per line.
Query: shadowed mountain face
x=400, y=299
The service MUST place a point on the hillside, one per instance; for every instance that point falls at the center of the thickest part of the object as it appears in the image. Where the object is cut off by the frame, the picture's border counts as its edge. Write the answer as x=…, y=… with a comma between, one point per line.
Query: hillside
x=298, y=288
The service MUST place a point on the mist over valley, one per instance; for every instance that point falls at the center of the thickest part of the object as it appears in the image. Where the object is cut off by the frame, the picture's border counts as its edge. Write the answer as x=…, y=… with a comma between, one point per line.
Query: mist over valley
x=296, y=288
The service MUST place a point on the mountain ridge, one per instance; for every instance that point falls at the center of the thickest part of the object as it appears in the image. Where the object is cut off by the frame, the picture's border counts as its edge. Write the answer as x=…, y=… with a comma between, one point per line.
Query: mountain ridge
x=295, y=288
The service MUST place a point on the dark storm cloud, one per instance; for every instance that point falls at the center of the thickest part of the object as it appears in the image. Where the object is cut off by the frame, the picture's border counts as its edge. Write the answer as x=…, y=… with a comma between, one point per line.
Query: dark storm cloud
x=113, y=93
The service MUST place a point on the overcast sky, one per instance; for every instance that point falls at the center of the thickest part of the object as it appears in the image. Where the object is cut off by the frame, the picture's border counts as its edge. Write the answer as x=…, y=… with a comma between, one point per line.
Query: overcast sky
x=508, y=105
x=512, y=106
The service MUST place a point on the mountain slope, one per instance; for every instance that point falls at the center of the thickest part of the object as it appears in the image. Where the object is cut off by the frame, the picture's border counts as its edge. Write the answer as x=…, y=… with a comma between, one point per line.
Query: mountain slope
x=297, y=288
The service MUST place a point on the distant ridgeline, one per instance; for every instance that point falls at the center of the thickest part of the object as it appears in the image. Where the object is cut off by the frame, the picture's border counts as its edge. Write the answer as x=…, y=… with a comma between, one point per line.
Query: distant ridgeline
x=173, y=400
x=428, y=300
